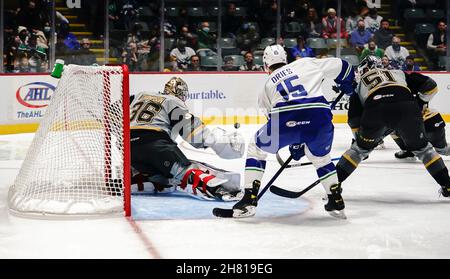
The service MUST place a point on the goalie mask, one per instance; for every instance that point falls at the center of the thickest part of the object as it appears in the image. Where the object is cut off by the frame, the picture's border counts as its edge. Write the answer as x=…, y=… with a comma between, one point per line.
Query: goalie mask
x=369, y=63
x=176, y=87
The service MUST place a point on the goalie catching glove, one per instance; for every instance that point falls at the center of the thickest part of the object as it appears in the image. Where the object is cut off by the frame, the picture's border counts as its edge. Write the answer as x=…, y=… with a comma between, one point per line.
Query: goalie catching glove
x=226, y=145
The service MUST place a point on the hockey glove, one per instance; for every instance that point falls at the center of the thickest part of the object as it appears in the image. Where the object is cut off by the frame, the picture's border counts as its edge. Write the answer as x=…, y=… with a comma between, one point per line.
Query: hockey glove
x=347, y=88
x=297, y=151
x=226, y=145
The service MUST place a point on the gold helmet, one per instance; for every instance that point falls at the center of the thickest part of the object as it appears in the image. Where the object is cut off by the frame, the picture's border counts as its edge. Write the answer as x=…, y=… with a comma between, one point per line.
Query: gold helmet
x=176, y=87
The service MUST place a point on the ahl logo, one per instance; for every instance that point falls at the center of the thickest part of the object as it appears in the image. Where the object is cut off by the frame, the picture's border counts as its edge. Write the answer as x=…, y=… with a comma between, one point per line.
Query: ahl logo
x=35, y=94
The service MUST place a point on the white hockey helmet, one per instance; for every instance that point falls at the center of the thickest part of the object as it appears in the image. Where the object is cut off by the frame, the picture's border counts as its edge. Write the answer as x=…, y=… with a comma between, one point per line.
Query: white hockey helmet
x=177, y=87
x=274, y=54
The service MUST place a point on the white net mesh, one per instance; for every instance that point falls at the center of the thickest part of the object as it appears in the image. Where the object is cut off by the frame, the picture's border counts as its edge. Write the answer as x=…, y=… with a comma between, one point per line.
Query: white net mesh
x=75, y=163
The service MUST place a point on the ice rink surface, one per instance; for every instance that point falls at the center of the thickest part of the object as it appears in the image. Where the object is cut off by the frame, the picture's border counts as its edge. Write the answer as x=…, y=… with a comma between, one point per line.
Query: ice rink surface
x=393, y=209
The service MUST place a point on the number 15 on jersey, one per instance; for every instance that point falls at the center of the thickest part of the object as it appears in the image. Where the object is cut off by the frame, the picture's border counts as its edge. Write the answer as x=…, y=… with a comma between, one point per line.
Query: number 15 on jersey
x=288, y=90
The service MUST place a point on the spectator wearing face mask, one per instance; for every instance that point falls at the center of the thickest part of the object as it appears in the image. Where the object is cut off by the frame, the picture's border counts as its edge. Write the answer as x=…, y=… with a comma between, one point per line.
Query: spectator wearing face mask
x=373, y=20
x=181, y=55
x=396, y=53
x=249, y=63
x=372, y=49
x=360, y=36
x=205, y=38
x=410, y=65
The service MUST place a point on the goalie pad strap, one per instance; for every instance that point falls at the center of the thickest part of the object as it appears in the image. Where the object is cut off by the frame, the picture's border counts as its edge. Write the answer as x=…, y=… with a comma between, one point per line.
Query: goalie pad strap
x=199, y=178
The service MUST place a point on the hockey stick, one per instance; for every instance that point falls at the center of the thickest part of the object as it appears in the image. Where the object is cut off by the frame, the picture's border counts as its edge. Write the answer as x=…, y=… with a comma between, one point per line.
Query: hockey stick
x=281, y=162
x=228, y=213
x=292, y=194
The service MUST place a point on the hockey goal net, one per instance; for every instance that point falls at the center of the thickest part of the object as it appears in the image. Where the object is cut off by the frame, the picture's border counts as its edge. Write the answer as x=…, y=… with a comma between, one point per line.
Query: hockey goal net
x=79, y=160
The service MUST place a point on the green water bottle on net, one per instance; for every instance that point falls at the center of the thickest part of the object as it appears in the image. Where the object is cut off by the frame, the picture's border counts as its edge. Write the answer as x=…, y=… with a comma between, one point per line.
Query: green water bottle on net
x=58, y=68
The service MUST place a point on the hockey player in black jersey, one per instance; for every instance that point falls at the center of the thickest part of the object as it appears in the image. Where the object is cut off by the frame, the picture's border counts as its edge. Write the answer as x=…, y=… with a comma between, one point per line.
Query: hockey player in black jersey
x=384, y=102
x=424, y=89
x=156, y=120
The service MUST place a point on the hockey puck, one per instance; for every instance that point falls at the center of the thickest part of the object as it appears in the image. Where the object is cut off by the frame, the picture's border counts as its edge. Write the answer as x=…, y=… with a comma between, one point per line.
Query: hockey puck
x=223, y=213
x=237, y=125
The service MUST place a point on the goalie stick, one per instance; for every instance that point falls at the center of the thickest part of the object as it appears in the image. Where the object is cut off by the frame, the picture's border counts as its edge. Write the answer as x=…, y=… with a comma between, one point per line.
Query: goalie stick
x=228, y=213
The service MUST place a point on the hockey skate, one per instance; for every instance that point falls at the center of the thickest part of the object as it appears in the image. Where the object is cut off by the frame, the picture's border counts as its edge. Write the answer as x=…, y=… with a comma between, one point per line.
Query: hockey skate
x=222, y=193
x=404, y=154
x=335, y=205
x=246, y=207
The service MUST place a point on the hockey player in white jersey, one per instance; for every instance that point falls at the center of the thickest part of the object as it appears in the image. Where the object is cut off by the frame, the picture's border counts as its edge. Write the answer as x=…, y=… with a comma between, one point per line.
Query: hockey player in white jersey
x=157, y=119
x=299, y=116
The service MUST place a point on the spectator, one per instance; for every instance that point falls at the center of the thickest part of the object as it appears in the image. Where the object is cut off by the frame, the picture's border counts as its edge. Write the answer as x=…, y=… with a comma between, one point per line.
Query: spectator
x=130, y=56
x=372, y=49
x=21, y=64
x=313, y=24
x=297, y=10
x=181, y=55
x=437, y=41
x=301, y=50
x=352, y=21
x=268, y=18
x=30, y=16
x=205, y=38
x=396, y=53
x=113, y=15
x=190, y=38
x=22, y=38
x=84, y=56
x=62, y=51
x=383, y=36
x=37, y=57
x=232, y=21
x=290, y=58
x=410, y=65
x=129, y=13
x=373, y=20
x=229, y=64
x=194, y=65
x=360, y=37
x=249, y=63
x=247, y=36
x=386, y=63
x=330, y=23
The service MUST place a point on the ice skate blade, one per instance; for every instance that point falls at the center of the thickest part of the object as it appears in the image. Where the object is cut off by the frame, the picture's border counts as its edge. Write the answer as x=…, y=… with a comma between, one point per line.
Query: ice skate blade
x=340, y=214
x=251, y=211
x=230, y=197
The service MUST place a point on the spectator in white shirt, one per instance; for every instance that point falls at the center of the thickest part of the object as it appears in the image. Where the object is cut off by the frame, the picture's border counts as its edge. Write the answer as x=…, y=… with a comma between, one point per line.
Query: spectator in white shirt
x=396, y=53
